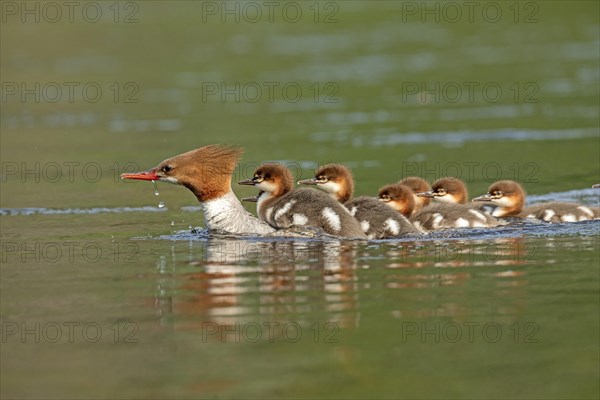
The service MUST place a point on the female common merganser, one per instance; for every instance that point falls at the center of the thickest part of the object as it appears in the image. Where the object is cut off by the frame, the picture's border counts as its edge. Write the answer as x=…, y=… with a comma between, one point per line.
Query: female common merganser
x=207, y=173
x=282, y=207
x=376, y=220
x=509, y=197
x=436, y=216
x=417, y=185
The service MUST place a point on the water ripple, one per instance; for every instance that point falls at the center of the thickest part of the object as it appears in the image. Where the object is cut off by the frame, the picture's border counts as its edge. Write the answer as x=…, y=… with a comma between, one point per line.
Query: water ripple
x=460, y=137
x=64, y=211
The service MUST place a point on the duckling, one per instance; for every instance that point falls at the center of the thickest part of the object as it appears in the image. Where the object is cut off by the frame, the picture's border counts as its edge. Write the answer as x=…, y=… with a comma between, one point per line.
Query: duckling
x=453, y=191
x=282, y=207
x=436, y=216
x=447, y=190
x=509, y=197
x=377, y=220
x=399, y=197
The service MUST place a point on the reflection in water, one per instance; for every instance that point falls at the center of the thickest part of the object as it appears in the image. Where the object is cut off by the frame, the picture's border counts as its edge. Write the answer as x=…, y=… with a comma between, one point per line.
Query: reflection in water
x=504, y=252
x=226, y=283
x=242, y=282
x=460, y=253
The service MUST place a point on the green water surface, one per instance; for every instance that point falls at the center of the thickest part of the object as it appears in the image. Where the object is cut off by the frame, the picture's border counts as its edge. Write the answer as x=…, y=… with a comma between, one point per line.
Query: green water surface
x=115, y=305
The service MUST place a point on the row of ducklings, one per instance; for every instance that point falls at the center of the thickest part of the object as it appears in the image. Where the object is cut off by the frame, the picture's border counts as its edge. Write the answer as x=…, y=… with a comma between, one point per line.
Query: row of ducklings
x=401, y=208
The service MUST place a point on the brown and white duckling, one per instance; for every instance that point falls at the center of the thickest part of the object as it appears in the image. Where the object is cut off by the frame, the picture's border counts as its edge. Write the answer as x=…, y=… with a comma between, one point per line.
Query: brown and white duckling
x=399, y=197
x=376, y=220
x=453, y=191
x=436, y=216
x=447, y=190
x=417, y=185
x=509, y=197
x=282, y=207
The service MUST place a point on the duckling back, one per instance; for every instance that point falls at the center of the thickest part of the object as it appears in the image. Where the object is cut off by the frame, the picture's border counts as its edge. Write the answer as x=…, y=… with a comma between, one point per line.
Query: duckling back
x=449, y=216
x=560, y=212
x=377, y=220
x=309, y=207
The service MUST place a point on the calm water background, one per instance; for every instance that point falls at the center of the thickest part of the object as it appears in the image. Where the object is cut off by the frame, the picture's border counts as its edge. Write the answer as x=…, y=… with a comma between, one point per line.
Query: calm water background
x=106, y=295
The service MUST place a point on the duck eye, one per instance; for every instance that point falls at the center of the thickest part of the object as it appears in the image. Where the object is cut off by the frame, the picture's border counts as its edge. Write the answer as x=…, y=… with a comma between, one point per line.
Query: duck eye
x=167, y=168
x=322, y=179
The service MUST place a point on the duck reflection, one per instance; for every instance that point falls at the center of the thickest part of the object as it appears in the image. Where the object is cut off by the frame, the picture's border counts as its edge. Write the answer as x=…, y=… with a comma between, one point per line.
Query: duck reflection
x=461, y=253
x=226, y=281
x=241, y=282
x=455, y=263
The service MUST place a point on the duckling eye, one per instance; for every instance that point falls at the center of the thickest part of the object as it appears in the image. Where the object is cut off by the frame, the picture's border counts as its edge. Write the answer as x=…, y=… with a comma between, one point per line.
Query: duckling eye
x=258, y=178
x=322, y=179
x=441, y=191
x=167, y=168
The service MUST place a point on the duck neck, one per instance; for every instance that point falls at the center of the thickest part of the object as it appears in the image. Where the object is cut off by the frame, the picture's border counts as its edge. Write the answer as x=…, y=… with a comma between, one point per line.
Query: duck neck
x=347, y=189
x=264, y=208
x=511, y=207
x=343, y=196
x=500, y=212
x=227, y=215
x=503, y=211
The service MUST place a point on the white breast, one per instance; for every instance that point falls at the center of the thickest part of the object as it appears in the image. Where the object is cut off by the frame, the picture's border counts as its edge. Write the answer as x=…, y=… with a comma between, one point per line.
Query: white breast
x=226, y=214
